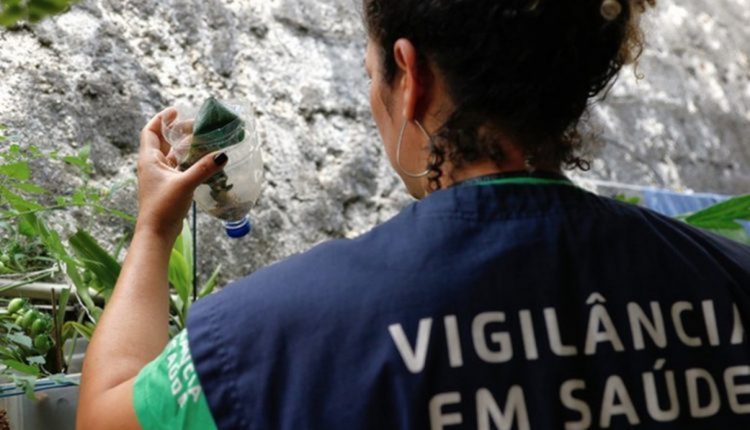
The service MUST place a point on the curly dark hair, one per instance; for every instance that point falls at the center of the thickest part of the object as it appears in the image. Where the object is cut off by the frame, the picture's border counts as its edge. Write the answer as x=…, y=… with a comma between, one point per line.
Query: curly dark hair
x=526, y=67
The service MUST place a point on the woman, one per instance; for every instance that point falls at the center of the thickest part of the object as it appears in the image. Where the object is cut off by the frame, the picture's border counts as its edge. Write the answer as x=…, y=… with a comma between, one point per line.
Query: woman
x=506, y=298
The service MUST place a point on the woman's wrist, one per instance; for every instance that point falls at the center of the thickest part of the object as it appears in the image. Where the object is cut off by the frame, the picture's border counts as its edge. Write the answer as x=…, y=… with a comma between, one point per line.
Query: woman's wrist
x=157, y=236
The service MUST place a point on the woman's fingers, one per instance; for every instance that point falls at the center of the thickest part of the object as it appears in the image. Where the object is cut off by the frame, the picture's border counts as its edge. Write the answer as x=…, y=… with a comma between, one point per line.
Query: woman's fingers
x=164, y=193
x=204, y=169
x=172, y=159
x=185, y=127
x=151, y=137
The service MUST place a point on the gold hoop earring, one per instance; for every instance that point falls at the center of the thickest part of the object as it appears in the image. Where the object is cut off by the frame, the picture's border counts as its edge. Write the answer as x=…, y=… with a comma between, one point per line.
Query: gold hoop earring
x=398, y=151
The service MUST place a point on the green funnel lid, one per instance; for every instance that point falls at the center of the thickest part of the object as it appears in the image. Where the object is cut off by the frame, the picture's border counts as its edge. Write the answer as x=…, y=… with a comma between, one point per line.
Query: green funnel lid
x=215, y=128
x=213, y=116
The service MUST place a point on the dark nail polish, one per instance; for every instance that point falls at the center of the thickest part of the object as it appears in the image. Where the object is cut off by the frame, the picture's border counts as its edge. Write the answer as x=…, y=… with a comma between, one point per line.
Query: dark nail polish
x=221, y=159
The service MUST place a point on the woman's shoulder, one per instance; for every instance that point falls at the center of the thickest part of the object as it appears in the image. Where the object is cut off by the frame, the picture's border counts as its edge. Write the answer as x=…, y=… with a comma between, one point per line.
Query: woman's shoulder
x=326, y=270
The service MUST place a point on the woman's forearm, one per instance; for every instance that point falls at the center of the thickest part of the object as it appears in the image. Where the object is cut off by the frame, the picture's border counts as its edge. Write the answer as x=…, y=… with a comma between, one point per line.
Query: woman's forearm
x=133, y=330
x=134, y=327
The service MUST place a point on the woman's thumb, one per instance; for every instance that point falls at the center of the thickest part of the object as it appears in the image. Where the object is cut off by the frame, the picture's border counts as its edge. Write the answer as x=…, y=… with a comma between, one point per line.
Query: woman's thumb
x=204, y=169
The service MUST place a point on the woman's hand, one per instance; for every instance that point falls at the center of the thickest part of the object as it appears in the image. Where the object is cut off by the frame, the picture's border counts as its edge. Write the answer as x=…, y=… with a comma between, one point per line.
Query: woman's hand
x=134, y=327
x=165, y=193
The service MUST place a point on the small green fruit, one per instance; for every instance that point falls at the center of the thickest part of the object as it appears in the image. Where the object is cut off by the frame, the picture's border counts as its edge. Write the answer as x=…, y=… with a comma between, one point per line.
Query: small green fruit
x=42, y=343
x=40, y=326
x=19, y=320
x=28, y=318
x=16, y=305
x=4, y=259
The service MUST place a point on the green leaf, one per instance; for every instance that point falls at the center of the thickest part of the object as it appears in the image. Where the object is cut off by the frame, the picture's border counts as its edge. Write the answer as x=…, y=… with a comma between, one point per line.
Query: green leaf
x=120, y=245
x=76, y=161
x=180, y=275
x=38, y=360
x=96, y=259
x=79, y=197
x=26, y=228
x=30, y=188
x=211, y=284
x=63, y=379
x=86, y=331
x=737, y=235
x=122, y=215
x=94, y=196
x=18, y=171
x=184, y=244
x=178, y=241
x=26, y=383
x=50, y=238
x=38, y=9
x=21, y=339
x=119, y=214
x=62, y=305
x=716, y=224
x=11, y=14
x=19, y=203
x=178, y=314
x=634, y=200
x=10, y=326
x=21, y=367
x=72, y=269
x=177, y=304
x=85, y=153
x=14, y=11
x=723, y=216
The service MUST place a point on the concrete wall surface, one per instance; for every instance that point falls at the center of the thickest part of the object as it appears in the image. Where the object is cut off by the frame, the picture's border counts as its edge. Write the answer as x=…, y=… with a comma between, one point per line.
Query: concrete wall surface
x=97, y=73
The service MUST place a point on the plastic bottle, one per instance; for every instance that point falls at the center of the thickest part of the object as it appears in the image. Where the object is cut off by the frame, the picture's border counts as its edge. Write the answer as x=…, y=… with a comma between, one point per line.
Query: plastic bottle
x=231, y=194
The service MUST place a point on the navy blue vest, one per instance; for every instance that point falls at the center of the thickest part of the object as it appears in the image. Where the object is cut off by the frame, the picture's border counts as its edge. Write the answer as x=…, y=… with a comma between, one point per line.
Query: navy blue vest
x=488, y=307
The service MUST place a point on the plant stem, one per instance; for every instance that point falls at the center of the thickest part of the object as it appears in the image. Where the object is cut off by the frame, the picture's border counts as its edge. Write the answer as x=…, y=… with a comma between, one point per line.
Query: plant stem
x=56, y=332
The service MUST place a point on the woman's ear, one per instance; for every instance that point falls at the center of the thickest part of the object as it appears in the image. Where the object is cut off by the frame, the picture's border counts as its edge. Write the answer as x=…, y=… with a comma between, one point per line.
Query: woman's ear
x=409, y=78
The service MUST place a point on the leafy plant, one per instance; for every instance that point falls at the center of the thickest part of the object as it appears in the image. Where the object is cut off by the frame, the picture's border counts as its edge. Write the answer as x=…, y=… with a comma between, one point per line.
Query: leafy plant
x=93, y=273
x=20, y=250
x=181, y=279
x=723, y=218
x=13, y=11
x=26, y=343
x=633, y=200
x=103, y=270
x=29, y=249
x=89, y=269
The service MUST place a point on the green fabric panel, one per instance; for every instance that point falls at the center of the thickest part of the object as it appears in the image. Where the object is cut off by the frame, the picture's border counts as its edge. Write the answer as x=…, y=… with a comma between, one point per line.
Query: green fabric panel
x=167, y=394
x=525, y=181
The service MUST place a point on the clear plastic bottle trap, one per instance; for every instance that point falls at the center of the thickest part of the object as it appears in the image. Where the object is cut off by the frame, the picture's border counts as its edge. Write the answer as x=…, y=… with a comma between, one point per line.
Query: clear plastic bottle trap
x=228, y=127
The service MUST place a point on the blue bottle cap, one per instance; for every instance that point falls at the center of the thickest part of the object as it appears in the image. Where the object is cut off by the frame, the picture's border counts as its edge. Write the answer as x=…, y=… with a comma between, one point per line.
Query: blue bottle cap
x=238, y=229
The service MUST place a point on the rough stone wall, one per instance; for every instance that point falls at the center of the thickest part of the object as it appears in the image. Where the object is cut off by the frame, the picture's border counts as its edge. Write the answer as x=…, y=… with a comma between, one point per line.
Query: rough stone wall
x=96, y=74
x=686, y=124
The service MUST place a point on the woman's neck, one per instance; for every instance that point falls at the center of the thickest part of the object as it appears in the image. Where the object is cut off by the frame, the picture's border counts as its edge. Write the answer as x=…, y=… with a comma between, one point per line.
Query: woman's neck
x=477, y=170
x=486, y=168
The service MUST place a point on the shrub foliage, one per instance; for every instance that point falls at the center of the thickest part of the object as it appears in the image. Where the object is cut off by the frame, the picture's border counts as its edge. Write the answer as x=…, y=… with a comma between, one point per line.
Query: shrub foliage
x=13, y=12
